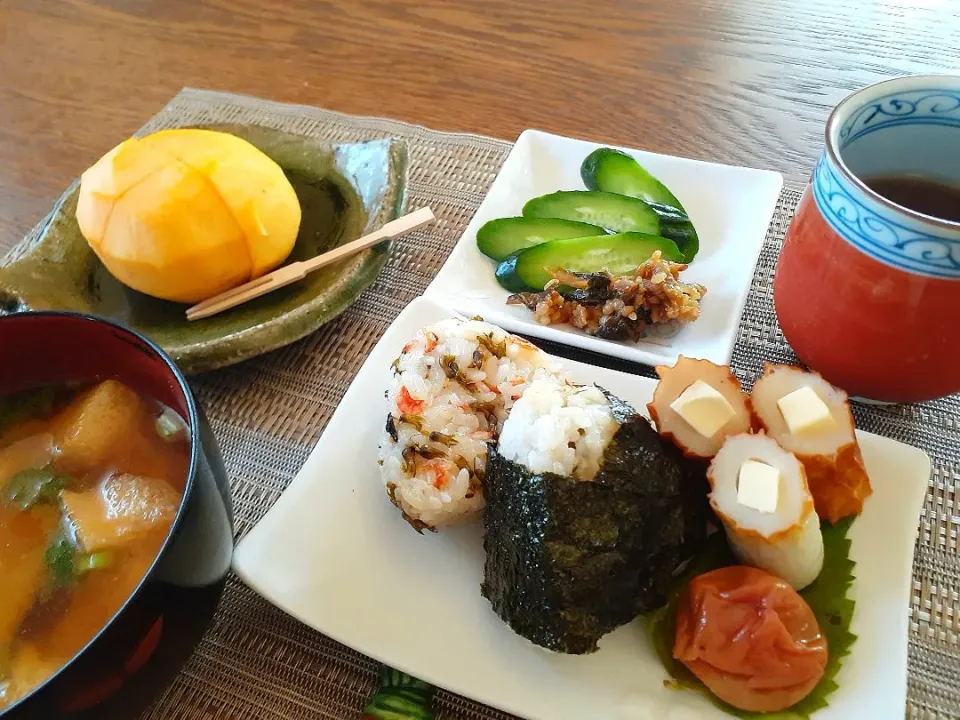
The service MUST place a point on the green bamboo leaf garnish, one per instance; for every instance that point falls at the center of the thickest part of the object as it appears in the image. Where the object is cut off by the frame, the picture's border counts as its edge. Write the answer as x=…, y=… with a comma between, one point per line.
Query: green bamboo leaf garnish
x=827, y=597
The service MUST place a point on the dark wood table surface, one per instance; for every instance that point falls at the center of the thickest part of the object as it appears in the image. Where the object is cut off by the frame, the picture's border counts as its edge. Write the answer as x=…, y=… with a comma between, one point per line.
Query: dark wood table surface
x=739, y=81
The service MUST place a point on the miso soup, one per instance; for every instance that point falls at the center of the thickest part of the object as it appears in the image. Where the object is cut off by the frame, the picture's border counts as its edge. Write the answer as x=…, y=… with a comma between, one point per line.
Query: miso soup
x=91, y=479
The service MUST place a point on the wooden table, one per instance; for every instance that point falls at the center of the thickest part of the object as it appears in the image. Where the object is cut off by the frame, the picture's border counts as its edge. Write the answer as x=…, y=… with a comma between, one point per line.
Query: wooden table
x=740, y=81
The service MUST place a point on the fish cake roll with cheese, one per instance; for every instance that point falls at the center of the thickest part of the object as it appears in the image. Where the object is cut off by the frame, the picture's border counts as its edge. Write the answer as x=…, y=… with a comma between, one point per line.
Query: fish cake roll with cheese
x=759, y=491
x=697, y=405
x=811, y=418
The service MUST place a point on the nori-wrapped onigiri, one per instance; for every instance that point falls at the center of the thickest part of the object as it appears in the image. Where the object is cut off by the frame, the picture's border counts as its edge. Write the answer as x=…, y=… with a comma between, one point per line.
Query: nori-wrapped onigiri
x=588, y=515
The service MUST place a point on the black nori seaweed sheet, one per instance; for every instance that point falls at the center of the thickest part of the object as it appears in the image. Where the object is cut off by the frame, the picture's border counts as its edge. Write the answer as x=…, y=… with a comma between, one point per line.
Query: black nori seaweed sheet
x=567, y=560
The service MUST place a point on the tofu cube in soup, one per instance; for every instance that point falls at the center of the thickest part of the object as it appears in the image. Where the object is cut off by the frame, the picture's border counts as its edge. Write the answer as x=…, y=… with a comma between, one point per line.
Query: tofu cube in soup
x=22, y=568
x=34, y=451
x=96, y=427
x=120, y=509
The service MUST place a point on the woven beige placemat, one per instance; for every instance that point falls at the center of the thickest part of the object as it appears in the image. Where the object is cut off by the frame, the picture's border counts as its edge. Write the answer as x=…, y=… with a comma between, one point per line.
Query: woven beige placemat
x=256, y=662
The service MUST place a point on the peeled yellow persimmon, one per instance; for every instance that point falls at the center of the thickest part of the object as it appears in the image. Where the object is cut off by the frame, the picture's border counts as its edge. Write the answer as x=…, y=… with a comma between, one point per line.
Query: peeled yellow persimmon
x=185, y=214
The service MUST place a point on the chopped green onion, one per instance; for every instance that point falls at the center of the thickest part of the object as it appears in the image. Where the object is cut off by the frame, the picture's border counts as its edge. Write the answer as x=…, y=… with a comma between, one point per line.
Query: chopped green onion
x=67, y=564
x=35, y=486
x=99, y=560
x=59, y=557
x=169, y=426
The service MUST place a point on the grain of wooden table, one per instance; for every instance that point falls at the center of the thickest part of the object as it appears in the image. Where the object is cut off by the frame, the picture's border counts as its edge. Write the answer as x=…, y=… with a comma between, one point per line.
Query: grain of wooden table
x=740, y=81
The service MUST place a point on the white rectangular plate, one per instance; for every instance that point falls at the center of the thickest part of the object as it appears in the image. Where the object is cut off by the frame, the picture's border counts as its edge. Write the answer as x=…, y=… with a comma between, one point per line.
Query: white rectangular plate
x=334, y=553
x=730, y=206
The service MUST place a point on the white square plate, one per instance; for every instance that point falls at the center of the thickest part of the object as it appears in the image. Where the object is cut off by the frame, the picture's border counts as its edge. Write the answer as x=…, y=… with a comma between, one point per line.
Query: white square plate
x=334, y=553
x=730, y=206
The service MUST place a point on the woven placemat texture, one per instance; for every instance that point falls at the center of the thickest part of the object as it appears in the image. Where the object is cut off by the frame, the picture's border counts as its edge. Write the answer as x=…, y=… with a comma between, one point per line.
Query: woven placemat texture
x=256, y=662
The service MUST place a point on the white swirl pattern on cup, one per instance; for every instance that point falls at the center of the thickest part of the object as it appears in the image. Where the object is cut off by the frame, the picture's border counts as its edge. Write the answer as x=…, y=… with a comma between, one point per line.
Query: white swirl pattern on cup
x=928, y=106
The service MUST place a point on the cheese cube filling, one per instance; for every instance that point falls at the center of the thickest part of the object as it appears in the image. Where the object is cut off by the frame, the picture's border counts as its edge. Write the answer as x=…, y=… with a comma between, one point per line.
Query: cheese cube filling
x=758, y=486
x=703, y=408
x=805, y=413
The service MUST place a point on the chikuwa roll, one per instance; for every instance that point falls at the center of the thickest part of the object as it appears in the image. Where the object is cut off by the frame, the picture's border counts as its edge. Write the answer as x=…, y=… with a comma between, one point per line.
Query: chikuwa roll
x=759, y=491
x=588, y=513
x=697, y=405
x=811, y=418
x=453, y=385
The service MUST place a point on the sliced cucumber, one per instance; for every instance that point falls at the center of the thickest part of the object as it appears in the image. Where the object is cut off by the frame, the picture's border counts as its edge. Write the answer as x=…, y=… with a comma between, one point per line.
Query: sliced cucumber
x=613, y=171
x=398, y=704
x=620, y=254
x=683, y=234
x=617, y=213
x=502, y=237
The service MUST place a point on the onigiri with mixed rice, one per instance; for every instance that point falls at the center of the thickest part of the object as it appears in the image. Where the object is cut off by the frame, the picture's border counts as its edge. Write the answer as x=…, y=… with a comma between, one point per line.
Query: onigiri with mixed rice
x=453, y=386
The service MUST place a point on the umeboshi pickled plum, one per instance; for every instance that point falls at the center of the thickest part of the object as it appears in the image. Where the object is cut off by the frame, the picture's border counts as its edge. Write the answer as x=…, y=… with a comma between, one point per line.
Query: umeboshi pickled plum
x=750, y=638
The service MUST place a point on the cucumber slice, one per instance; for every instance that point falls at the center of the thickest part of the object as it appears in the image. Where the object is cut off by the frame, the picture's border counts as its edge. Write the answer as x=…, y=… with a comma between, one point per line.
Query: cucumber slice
x=683, y=234
x=502, y=237
x=610, y=170
x=613, y=171
x=620, y=254
x=617, y=213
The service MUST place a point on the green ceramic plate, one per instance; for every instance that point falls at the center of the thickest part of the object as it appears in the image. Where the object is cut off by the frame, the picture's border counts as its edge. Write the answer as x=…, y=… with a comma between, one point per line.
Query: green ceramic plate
x=344, y=191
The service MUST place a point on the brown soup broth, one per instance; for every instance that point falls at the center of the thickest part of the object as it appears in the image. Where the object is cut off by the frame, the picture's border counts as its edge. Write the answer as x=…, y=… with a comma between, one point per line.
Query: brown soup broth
x=924, y=195
x=91, y=478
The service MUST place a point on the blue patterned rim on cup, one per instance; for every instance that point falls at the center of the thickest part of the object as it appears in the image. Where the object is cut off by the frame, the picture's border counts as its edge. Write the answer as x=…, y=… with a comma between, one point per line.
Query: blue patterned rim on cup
x=909, y=126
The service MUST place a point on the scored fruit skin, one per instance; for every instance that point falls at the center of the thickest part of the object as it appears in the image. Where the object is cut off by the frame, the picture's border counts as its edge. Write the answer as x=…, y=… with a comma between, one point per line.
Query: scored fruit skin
x=185, y=214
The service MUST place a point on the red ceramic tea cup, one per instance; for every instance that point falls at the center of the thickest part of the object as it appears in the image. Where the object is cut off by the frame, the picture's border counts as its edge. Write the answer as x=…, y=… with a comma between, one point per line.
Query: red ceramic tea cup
x=867, y=291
